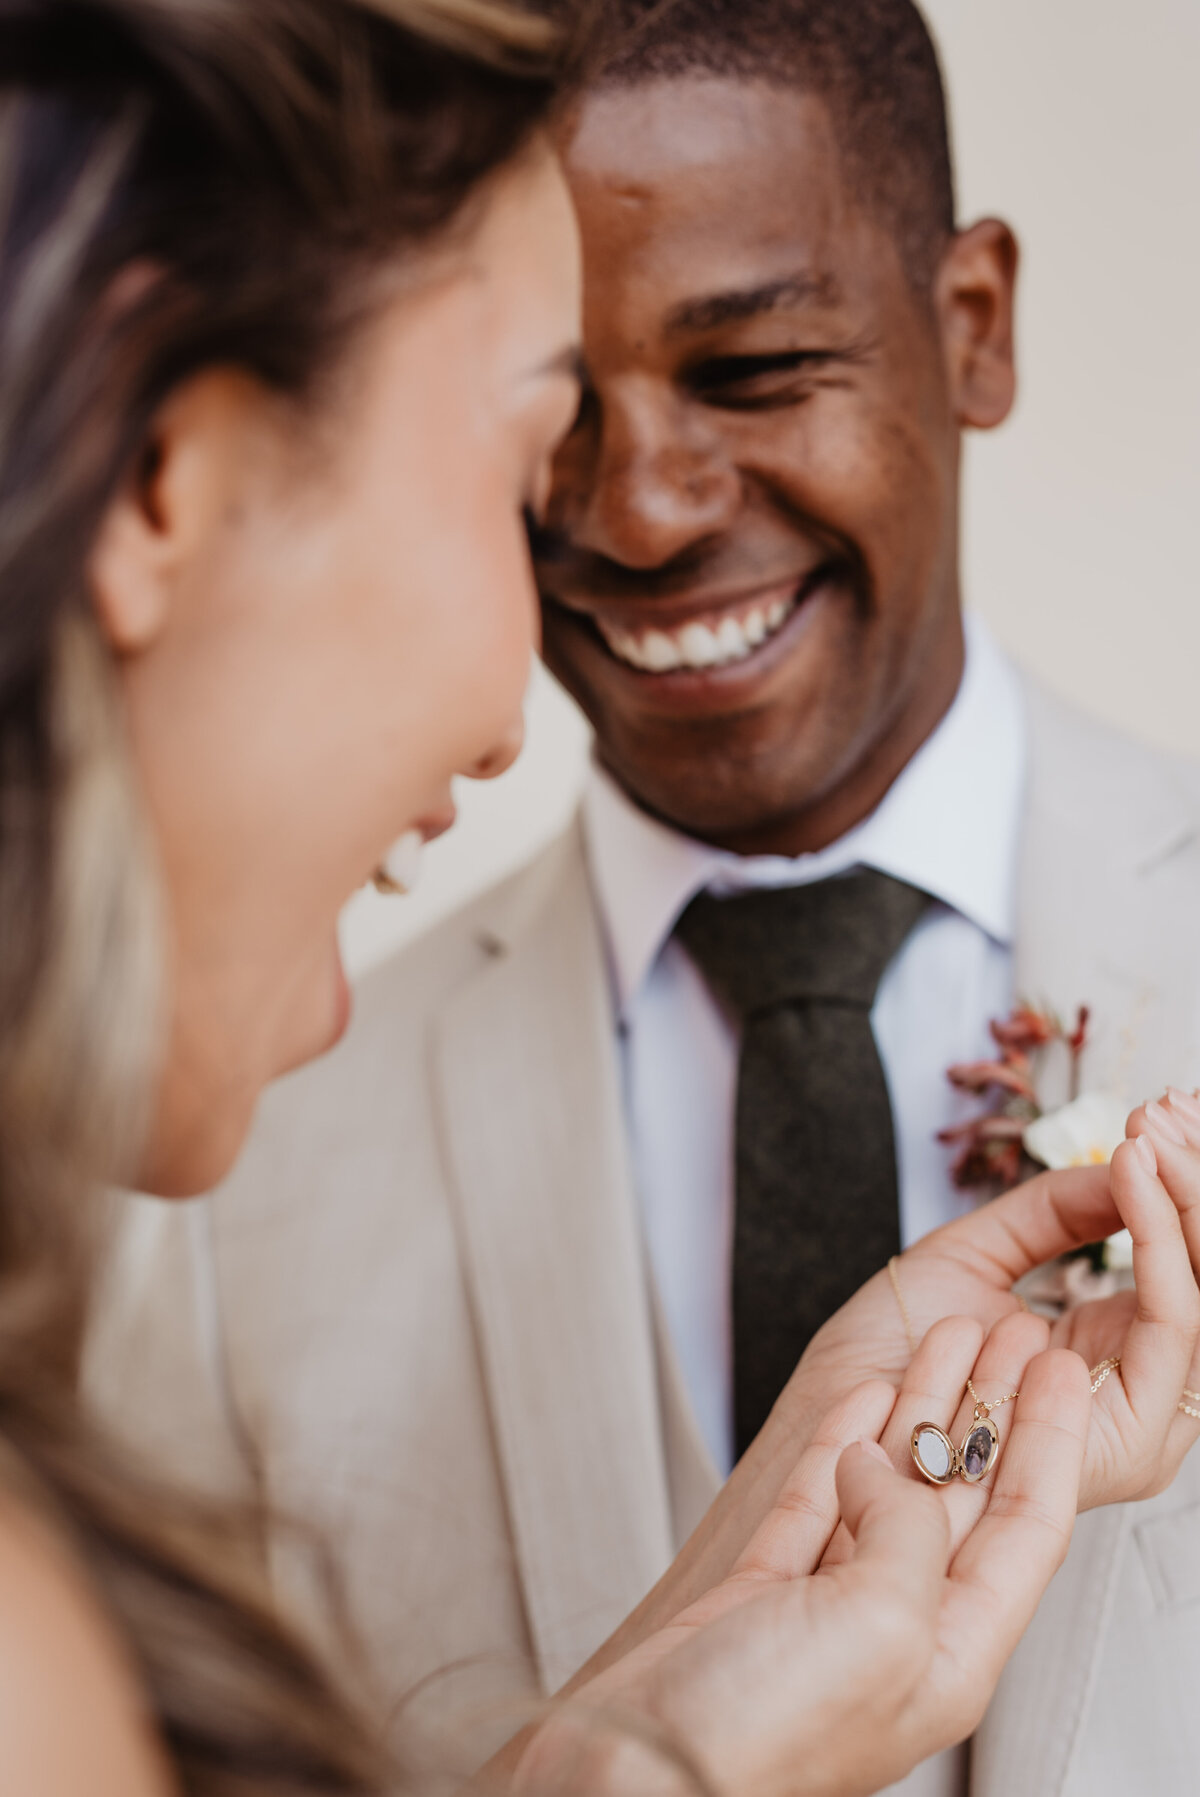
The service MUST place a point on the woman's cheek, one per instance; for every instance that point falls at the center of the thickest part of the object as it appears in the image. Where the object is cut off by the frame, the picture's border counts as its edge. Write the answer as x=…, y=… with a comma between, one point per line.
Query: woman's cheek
x=506, y=683
x=489, y=662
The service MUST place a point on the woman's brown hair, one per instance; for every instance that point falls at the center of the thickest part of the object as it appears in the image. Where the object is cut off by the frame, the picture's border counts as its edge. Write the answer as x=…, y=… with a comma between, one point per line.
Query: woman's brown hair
x=182, y=183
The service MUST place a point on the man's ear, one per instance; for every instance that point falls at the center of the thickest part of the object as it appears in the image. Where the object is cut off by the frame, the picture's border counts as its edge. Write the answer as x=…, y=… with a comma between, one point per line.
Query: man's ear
x=163, y=514
x=975, y=293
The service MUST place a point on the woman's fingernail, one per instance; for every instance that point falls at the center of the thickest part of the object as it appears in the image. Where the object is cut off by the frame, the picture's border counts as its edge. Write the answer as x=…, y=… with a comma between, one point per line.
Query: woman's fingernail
x=1185, y=1103
x=874, y=1450
x=1164, y=1123
x=1143, y=1147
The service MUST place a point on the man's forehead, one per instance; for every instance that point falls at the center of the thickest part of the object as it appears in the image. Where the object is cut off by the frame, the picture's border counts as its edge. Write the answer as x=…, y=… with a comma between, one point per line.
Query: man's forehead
x=726, y=194
x=675, y=128
x=741, y=151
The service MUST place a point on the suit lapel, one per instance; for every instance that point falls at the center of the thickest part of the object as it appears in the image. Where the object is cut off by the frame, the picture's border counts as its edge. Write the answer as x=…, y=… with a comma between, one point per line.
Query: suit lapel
x=1097, y=921
x=1104, y=892
x=526, y=1077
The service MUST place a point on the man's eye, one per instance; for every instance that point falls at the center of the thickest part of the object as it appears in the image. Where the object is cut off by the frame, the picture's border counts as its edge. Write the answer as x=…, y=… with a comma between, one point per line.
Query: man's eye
x=749, y=381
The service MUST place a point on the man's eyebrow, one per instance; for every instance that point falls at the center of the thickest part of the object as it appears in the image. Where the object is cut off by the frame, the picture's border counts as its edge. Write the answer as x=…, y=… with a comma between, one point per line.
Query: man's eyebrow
x=740, y=303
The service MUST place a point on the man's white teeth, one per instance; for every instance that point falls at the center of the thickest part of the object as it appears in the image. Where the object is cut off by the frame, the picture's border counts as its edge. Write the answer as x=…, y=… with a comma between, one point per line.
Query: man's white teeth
x=697, y=645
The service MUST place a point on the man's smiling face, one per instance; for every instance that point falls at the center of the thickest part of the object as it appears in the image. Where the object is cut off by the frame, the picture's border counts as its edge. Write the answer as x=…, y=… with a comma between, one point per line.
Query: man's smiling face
x=750, y=567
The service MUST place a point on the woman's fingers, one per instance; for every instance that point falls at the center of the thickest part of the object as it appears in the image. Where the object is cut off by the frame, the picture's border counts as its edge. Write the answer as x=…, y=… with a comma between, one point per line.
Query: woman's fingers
x=999, y=1372
x=1160, y=1343
x=1000, y=1368
x=792, y=1538
x=900, y=1534
x=999, y=1574
x=929, y=1393
x=1170, y=1130
x=899, y=1557
x=933, y=1385
x=1034, y=1223
x=1178, y=1161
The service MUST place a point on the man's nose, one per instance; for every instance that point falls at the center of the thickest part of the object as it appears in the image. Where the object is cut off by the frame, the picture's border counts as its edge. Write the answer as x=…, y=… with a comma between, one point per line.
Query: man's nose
x=658, y=484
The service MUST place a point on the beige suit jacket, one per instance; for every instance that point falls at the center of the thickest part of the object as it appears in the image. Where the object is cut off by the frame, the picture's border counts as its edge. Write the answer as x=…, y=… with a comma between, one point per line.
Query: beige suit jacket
x=419, y=1315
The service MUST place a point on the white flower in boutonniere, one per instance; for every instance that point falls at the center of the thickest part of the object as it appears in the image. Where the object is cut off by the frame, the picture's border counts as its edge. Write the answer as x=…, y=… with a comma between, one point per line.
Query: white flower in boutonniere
x=1084, y=1133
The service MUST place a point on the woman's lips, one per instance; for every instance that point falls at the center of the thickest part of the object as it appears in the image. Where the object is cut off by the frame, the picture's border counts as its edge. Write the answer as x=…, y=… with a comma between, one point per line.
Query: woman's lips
x=436, y=823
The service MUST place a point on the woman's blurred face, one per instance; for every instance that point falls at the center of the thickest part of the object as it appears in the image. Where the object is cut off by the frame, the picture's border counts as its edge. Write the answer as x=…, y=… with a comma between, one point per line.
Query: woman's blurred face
x=318, y=625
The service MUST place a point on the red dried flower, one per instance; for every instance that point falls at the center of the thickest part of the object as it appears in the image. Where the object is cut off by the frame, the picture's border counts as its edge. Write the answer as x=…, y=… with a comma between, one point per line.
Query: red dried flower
x=980, y=1129
x=1024, y=1031
x=1013, y=1075
x=1077, y=1040
x=992, y=1148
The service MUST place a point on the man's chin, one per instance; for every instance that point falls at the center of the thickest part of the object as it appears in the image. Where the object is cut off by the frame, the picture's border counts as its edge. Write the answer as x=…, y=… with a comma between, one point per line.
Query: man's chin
x=722, y=794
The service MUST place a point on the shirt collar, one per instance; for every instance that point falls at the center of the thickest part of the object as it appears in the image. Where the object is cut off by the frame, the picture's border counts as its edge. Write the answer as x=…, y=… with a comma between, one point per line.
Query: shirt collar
x=950, y=824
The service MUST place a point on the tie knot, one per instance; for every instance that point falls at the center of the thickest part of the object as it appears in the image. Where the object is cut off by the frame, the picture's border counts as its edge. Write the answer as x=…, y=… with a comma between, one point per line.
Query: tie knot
x=829, y=940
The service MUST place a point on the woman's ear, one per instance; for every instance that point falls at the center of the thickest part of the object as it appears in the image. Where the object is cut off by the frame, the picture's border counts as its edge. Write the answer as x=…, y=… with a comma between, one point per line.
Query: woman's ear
x=975, y=293
x=164, y=513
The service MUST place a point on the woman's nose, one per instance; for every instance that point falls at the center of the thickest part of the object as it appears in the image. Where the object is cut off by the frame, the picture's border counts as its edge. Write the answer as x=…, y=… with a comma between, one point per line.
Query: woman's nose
x=500, y=757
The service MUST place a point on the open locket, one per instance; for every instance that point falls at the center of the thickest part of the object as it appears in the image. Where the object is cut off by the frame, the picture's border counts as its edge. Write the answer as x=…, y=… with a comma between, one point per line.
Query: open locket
x=940, y=1461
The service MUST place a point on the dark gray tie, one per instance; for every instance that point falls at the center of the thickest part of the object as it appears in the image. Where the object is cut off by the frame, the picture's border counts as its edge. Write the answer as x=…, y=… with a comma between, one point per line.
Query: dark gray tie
x=817, y=1198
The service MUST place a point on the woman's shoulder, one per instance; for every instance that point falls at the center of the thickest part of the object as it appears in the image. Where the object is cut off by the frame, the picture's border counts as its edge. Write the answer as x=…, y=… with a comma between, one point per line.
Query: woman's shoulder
x=72, y=1720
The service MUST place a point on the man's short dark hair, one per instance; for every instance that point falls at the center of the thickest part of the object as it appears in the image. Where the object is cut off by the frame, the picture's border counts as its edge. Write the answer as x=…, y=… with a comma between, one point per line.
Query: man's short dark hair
x=873, y=63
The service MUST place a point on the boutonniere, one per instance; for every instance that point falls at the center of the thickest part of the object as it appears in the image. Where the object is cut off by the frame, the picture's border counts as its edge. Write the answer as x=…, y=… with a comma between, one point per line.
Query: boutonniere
x=1014, y=1136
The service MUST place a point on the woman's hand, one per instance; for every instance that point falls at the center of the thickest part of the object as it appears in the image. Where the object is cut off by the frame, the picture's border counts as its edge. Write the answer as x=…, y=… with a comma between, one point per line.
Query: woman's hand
x=969, y=1268
x=791, y=1677
x=966, y=1268
x=1139, y=1435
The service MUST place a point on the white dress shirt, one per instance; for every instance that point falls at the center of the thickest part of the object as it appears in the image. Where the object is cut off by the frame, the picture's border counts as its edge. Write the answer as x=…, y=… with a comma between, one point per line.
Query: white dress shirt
x=950, y=824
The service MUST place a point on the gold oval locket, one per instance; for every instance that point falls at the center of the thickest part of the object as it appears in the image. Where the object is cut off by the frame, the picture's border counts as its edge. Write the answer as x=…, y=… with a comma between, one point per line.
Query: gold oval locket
x=937, y=1458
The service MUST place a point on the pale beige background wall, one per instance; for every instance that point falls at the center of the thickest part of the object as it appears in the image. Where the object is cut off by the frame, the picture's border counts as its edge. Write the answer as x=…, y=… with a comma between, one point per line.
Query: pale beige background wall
x=1077, y=120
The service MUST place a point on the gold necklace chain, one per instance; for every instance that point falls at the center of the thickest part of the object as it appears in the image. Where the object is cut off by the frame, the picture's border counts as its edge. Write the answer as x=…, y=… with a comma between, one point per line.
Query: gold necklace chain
x=982, y=1409
x=1100, y=1373
x=894, y=1276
